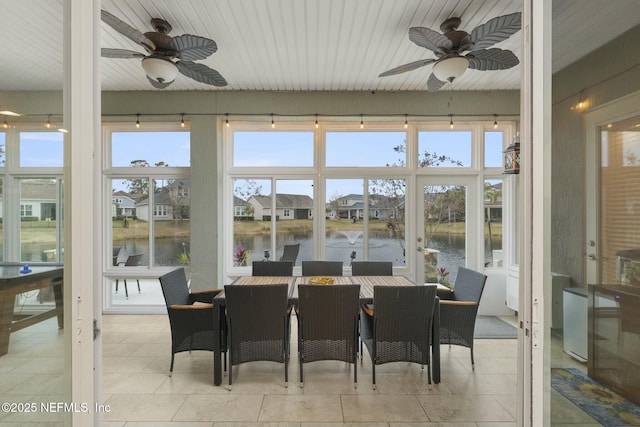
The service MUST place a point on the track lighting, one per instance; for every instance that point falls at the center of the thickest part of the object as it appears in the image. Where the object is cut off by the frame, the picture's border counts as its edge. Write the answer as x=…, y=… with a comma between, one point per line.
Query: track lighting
x=450, y=121
x=226, y=122
x=273, y=124
x=406, y=121
x=48, y=122
x=361, y=122
x=138, y=121
x=182, y=120
x=495, y=121
x=5, y=124
x=317, y=125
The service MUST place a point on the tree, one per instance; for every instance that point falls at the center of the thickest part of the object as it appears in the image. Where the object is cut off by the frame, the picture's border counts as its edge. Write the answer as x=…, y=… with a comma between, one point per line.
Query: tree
x=440, y=202
x=138, y=186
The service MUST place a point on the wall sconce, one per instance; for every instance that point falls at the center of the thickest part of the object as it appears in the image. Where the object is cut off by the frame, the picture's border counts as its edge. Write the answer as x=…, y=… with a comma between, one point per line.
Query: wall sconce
x=512, y=156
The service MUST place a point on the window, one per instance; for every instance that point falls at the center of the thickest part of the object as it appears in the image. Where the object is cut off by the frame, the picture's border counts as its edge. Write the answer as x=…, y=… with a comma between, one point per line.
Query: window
x=145, y=149
x=26, y=210
x=444, y=149
x=359, y=186
x=348, y=148
x=41, y=149
x=271, y=149
x=147, y=173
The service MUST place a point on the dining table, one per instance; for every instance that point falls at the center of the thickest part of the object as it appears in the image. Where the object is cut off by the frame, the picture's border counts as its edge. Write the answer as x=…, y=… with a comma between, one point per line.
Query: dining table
x=367, y=284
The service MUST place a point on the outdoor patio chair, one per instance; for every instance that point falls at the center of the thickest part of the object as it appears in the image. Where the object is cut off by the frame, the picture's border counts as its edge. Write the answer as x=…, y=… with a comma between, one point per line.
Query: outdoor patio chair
x=272, y=268
x=131, y=261
x=257, y=325
x=372, y=268
x=400, y=328
x=116, y=255
x=290, y=253
x=328, y=325
x=190, y=314
x=322, y=268
x=458, y=309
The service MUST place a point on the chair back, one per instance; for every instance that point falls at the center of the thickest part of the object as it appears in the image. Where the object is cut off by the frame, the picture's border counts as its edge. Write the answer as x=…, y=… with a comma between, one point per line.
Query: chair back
x=272, y=268
x=116, y=254
x=290, y=252
x=133, y=260
x=372, y=268
x=469, y=285
x=322, y=268
x=175, y=287
x=328, y=321
x=257, y=322
x=402, y=323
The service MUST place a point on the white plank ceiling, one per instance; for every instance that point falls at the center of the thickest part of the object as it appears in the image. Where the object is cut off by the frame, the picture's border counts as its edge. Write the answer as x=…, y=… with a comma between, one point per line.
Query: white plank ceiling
x=297, y=45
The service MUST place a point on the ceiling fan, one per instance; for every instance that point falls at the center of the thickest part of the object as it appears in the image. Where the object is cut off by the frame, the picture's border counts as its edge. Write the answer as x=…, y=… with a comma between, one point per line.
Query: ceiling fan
x=448, y=47
x=166, y=55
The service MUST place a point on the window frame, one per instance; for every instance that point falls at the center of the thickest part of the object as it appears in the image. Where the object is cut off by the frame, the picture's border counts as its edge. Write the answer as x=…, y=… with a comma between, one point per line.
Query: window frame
x=320, y=172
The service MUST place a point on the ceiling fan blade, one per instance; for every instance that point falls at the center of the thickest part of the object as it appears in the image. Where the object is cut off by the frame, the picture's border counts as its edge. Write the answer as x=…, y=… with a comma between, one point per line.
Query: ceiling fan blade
x=201, y=73
x=157, y=84
x=127, y=30
x=433, y=84
x=192, y=48
x=492, y=59
x=120, y=53
x=407, y=67
x=430, y=39
x=495, y=30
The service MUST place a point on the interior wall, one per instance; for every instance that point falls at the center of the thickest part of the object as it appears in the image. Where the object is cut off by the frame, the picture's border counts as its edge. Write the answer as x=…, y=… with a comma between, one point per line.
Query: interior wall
x=201, y=107
x=601, y=77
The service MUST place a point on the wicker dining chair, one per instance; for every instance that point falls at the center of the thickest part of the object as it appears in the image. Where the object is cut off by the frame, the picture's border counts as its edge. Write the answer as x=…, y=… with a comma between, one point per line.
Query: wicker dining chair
x=257, y=325
x=272, y=268
x=459, y=308
x=328, y=325
x=322, y=268
x=190, y=314
x=400, y=329
x=372, y=268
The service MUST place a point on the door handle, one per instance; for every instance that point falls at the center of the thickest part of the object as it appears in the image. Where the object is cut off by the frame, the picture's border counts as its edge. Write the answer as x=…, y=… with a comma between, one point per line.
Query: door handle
x=592, y=257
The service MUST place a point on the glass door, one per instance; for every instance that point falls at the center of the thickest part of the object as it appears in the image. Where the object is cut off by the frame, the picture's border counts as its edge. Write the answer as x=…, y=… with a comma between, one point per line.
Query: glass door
x=446, y=217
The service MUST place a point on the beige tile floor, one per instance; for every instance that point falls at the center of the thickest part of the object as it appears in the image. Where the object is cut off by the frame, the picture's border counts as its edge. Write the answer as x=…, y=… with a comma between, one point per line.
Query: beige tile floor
x=136, y=386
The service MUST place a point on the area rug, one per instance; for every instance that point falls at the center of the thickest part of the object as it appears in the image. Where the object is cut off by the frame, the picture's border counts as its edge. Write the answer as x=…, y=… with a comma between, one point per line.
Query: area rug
x=604, y=405
x=491, y=327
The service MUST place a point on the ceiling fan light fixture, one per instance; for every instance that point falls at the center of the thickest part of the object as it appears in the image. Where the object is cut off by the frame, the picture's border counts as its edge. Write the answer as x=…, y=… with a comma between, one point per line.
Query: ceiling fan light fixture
x=450, y=69
x=159, y=69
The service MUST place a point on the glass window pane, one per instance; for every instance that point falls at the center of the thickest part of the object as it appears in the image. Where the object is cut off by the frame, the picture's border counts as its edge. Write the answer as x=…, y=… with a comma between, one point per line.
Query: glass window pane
x=38, y=220
x=2, y=224
x=366, y=149
x=270, y=149
x=253, y=213
x=171, y=216
x=445, y=231
x=387, y=221
x=144, y=149
x=493, y=223
x=130, y=218
x=294, y=225
x=444, y=149
x=493, y=149
x=3, y=148
x=41, y=149
x=344, y=226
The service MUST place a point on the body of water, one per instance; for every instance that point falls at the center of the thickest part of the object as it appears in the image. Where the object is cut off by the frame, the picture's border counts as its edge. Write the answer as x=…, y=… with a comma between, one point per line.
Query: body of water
x=340, y=246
